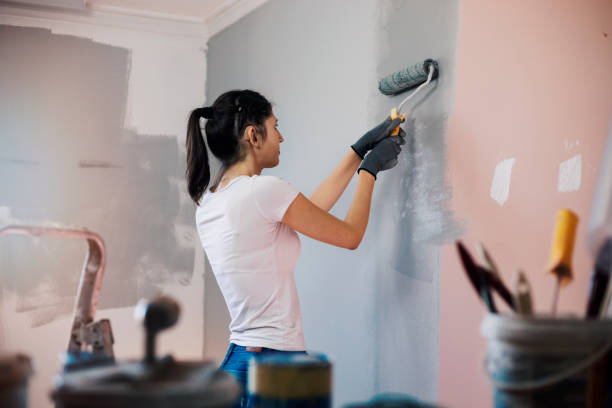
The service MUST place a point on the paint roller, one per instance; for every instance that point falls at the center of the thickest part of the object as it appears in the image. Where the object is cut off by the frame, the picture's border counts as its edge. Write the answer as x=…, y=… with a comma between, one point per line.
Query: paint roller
x=418, y=75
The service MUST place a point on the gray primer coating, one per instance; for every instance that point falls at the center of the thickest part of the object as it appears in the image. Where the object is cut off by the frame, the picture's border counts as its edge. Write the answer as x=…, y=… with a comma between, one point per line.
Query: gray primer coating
x=67, y=159
x=417, y=220
x=374, y=311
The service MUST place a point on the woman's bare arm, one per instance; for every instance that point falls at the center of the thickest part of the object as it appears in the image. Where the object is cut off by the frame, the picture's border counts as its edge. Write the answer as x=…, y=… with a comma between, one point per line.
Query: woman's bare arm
x=311, y=220
x=330, y=190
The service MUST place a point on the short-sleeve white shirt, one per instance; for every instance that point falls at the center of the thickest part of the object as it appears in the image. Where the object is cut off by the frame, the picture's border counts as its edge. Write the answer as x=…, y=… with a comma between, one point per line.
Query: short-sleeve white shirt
x=253, y=256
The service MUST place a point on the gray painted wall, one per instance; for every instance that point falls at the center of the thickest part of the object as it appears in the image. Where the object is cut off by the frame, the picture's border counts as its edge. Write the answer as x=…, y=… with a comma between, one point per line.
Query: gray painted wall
x=374, y=311
x=66, y=159
x=92, y=124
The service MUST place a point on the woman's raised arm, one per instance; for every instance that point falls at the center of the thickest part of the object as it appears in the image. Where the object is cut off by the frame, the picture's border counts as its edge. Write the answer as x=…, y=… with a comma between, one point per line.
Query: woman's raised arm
x=309, y=219
x=330, y=190
x=315, y=222
x=328, y=193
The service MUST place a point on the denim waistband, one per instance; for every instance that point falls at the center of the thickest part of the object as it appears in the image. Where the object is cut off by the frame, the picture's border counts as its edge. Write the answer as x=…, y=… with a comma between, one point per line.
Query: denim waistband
x=243, y=348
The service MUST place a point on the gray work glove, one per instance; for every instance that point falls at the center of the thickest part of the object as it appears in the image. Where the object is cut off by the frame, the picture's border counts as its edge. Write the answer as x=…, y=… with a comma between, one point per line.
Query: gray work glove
x=384, y=155
x=369, y=140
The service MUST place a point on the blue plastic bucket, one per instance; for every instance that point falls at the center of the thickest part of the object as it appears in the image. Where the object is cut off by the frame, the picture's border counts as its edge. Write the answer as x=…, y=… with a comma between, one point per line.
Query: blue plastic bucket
x=290, y=381
x=548, y=362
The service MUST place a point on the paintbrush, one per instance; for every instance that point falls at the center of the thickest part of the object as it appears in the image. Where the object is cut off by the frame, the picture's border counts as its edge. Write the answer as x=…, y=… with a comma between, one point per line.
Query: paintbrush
x=522, y=291
x=490, y=265
x=487, y=260
x=476, y=277
x=483, y=281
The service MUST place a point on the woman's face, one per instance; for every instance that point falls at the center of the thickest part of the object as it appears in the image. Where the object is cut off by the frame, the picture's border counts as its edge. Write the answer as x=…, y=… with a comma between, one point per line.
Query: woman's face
x=271, y=146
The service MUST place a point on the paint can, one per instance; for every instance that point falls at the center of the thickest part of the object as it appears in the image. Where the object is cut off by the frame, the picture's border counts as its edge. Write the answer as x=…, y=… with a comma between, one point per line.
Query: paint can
x=289, y=380
x=548, y=362
x=15, y=370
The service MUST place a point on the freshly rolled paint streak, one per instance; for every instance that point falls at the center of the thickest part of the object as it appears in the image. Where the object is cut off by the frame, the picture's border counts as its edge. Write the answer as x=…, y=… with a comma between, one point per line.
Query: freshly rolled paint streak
x=570, y=174
x=500, y=187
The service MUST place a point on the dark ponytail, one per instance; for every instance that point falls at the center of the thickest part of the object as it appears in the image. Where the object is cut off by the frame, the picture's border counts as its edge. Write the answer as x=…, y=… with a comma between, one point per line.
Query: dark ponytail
x=198, y=171
x=228, y=117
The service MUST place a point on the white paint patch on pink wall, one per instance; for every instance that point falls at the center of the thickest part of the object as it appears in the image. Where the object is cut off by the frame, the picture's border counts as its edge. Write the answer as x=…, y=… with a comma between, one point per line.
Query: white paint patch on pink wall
x=570, y=174
x=500, y=186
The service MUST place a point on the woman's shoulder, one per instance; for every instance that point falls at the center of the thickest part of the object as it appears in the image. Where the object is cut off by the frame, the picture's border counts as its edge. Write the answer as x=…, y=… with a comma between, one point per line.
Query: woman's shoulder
x=265, y=178
x=265, y=182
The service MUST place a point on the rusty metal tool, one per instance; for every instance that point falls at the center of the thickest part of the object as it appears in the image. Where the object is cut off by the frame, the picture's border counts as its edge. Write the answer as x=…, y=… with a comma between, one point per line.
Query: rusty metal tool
x=86, y=335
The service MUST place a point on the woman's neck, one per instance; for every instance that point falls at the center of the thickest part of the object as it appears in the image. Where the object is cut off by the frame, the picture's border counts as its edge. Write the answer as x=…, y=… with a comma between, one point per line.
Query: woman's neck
x=243, y=168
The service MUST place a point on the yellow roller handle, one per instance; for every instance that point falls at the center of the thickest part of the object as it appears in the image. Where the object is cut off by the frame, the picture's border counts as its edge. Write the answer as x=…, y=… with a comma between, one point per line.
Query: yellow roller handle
x=560, y=263
x=395, y=115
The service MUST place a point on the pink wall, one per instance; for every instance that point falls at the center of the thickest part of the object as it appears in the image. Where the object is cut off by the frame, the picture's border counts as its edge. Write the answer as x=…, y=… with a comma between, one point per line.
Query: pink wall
x=534, y=83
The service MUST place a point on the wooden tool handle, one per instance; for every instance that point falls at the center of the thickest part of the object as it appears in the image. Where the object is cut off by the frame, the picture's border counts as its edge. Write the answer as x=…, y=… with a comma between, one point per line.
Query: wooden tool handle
x=560, y=263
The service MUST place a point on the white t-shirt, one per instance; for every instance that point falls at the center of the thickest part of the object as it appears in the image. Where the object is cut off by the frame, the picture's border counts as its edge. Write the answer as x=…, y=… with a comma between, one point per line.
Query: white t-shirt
x=253, y=256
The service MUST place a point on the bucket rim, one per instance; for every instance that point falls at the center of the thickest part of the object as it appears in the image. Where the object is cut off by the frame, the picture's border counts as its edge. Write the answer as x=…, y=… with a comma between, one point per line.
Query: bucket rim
x=510, y=327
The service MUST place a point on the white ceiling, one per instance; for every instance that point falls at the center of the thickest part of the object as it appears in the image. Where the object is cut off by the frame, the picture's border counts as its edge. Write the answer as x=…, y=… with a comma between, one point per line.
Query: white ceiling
x=182, y=10
x=199, y=18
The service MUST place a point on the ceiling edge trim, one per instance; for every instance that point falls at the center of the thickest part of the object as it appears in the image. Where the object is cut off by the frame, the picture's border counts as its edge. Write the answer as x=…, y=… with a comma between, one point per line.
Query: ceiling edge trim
x=158, y=23
x=228, y=13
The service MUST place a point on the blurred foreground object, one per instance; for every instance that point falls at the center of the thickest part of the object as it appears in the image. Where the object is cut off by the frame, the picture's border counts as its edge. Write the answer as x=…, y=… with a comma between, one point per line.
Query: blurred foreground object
x=290, y=380
x=151, y=382
x=15, y=369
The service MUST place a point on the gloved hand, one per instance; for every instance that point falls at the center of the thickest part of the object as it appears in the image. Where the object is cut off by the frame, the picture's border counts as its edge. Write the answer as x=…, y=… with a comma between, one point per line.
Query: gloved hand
x=384, y=155
x=369, y=140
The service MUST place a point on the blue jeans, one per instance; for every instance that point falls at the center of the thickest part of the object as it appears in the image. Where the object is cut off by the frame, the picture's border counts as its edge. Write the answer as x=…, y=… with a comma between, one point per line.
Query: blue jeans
x=236, y=363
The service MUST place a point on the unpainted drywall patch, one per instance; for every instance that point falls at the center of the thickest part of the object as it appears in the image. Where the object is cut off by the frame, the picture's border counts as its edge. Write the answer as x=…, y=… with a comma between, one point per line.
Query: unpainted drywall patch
x=570, y=174
x=500, y=186
x=67, y=158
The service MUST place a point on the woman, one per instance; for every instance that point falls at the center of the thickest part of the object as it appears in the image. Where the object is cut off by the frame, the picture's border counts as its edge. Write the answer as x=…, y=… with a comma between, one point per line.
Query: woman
x=247, y=222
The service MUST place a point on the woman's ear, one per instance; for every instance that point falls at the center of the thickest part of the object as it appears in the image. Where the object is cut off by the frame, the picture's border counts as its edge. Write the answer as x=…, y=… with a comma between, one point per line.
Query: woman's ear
x=252, y=137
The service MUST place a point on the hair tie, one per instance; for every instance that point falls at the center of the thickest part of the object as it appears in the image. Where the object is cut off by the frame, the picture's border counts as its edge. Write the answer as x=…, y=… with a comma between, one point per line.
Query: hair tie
x=207, y=112
x=237, y=104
